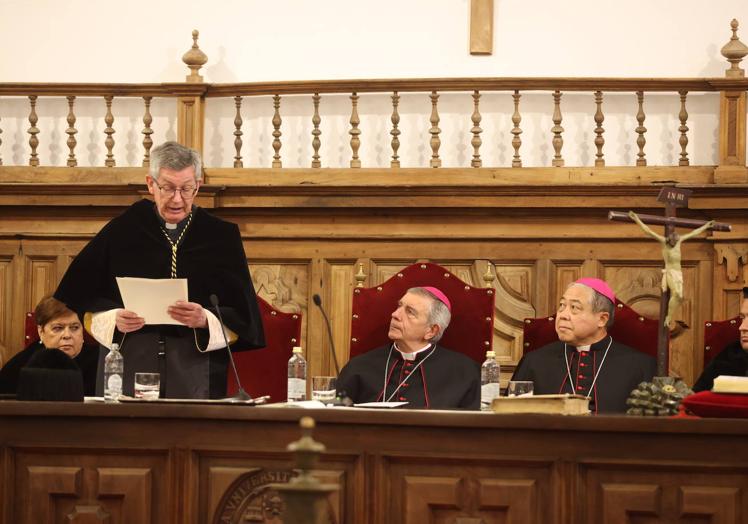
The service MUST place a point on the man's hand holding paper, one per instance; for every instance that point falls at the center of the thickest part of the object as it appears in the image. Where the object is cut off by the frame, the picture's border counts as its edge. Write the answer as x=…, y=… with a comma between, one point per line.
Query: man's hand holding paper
x=157, y=301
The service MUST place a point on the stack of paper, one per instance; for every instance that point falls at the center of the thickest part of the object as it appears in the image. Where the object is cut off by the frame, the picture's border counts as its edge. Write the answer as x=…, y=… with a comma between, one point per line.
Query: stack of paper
x=730, y=384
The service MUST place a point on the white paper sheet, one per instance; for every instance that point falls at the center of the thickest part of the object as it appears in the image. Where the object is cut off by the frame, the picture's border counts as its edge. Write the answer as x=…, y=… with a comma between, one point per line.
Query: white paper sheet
x=151, y=297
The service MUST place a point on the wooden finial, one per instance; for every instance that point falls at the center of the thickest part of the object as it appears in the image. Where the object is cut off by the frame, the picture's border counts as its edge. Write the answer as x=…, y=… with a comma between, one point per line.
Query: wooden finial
x=195, y=59
x=488, y=276
x=360, y=276
x=734, y=51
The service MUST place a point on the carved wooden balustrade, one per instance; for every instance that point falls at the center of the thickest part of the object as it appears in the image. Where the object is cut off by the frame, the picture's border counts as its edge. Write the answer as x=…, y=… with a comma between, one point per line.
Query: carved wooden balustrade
x=192, y=94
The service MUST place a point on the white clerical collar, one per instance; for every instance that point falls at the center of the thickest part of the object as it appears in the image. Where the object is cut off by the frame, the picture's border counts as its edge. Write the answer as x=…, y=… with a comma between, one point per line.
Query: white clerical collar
x=411, y=356
x=584, y=348
x=169, y=225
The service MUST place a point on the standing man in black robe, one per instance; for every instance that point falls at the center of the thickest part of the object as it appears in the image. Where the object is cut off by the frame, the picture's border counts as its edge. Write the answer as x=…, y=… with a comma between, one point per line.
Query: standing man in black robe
x=733, y=359
x=413, y=368
x=169, y=237
x=586, y=360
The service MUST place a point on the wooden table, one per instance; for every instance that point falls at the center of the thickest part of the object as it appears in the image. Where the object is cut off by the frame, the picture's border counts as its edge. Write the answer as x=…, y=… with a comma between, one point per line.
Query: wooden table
x=135, y=463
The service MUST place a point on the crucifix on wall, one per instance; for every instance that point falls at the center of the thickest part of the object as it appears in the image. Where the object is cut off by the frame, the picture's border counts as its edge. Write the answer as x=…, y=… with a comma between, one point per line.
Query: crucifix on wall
x=672, y=274
x=481, y=27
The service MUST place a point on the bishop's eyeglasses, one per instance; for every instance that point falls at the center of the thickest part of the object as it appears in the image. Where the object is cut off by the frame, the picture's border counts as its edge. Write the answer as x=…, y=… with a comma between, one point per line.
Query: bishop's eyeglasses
x=186, y=192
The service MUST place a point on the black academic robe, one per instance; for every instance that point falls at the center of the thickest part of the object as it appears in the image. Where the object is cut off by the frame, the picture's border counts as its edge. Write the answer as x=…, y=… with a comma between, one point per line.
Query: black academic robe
x=438, y=378
x=621, y=372
x=86, y=361
x=210, y=256
x=733, y=360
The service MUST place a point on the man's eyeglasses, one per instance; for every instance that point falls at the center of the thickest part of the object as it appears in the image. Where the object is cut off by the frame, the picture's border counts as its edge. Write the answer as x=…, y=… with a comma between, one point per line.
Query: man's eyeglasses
x=186, y=192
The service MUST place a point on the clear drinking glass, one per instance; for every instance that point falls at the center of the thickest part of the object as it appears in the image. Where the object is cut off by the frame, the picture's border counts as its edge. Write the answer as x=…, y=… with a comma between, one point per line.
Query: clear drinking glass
x=147, y=385
x=323, y=388
x=520, y=388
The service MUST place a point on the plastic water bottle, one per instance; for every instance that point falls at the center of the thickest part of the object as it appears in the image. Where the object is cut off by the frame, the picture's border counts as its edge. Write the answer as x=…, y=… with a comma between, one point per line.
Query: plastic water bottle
x=296, y=376
x=490, y=373
x=114, y=365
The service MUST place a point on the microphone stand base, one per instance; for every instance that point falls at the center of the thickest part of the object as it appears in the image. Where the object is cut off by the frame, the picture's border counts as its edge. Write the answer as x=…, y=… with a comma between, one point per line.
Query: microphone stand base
x=241, y=396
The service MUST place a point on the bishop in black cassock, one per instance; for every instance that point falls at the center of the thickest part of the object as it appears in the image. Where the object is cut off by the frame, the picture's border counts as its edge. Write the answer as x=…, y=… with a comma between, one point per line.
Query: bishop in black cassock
x=586, y=360
x=414, y=369
x=169, y=238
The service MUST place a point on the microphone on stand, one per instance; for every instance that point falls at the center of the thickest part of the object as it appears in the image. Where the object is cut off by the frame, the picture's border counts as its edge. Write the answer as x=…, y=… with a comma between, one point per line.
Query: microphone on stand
x=342, y=399
x=241, y=395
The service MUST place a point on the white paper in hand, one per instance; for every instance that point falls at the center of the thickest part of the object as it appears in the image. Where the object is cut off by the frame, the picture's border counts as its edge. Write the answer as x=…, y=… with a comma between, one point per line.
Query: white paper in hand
x=151, y=297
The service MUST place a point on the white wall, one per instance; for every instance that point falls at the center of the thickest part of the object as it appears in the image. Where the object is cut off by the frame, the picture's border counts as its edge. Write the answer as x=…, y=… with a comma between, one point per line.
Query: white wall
x=250, y=40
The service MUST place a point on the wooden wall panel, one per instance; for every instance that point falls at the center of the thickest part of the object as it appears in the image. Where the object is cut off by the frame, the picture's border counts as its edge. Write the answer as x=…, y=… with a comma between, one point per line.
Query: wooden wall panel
x=307, y=232
x=115, y=488
x=655, y=492
x=7, y=279
x=435, y=490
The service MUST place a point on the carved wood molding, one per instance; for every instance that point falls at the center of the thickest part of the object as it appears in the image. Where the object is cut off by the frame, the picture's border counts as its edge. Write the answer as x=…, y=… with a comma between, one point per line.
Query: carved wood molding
x=734, y=257
x=606, y=84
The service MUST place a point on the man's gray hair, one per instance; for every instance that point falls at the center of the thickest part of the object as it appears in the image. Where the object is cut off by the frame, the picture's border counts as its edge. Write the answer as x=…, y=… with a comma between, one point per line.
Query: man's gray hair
x=600, y=303
x=173, y=155
x=439, y=314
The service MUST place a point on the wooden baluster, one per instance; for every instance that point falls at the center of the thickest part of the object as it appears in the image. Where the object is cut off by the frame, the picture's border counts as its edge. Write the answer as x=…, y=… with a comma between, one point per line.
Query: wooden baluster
x=683, y=128
x=516, y=131
x=395, y=162
x=355, y=131
x=109, y=131
x=434, y=130
x=238, y=132
x=316, y=120
x=558, y=140
x=147, y=131
x=640, y=130
x=33, y=131
x=277, y=121
x=599, y=140
x=476, y=130
x=71, y=131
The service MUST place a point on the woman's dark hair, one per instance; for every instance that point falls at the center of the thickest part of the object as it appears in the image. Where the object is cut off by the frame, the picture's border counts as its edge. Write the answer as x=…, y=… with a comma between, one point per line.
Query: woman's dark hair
x=49, y=308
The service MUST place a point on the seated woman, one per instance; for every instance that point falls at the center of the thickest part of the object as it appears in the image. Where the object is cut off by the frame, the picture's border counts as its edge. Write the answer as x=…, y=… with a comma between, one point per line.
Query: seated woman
x=58, y=328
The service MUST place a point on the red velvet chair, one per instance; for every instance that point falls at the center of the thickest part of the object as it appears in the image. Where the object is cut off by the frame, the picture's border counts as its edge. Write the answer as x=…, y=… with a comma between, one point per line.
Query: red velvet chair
x=718, y=334
x=264, y=371
x=470, y=332
x=629, y=328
